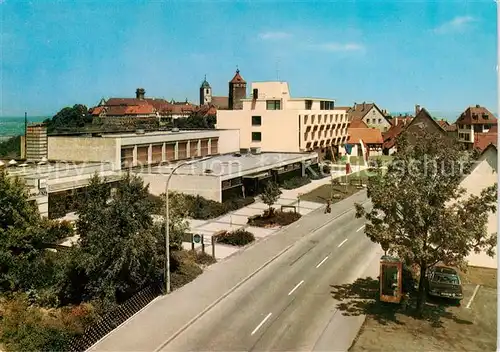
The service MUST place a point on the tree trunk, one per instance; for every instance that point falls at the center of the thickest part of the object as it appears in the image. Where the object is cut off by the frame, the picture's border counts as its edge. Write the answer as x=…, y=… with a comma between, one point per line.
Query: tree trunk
x=421, y=290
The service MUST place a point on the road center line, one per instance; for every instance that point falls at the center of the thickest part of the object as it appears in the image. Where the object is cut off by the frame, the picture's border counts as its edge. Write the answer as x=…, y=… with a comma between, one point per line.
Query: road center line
x=472, y=298
x=324, y=260
x=344, y=241
x=361, y=228
x=296, y=287
x=261, y=323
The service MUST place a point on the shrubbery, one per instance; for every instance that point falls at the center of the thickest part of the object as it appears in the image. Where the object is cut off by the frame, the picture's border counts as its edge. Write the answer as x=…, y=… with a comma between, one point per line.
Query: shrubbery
x=184, y=268
x=237, y=238
x=296, y=182
x=275, y=218
x=27, y=327
x=197, y=207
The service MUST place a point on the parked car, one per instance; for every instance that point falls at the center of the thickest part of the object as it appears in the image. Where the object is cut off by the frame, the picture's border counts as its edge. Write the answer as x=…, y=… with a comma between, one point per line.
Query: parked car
x=443, y=281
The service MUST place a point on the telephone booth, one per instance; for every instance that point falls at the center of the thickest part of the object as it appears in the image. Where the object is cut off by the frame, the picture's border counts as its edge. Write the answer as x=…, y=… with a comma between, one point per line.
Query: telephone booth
x=391, y=279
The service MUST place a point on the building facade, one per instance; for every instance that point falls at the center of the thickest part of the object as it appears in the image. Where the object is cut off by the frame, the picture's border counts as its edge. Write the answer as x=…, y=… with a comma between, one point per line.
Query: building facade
x=473, y=122
x=272, y=121
x=125, y=150
x=370, y=114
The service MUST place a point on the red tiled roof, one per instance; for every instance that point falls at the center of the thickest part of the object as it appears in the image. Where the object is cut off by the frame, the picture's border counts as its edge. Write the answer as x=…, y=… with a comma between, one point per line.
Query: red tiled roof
x=452, y=127
x=358, y=124
x=220, y=102
x=367, y=135
x=483, y=140
x=125, y=101
x=237, y=78
x=359, y=111
x=342, y=107
x=401, y=120
x=444, y=124
x=139, y=110
x=398, y=126
x=97, y=110
x=475, y=115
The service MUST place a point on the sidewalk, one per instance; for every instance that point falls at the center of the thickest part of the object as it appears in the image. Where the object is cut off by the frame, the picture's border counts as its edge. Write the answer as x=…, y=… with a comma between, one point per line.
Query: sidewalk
x=166, y=315
x=238, y=219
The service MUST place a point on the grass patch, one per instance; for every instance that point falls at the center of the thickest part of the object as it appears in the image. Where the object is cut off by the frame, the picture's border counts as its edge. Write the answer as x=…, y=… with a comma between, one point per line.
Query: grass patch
x=238, y=238
x=444, y=326
x=296, y=182
x=274, y=219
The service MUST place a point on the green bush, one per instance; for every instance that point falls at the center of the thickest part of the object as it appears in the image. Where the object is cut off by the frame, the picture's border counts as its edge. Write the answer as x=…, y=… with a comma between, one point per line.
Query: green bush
x=237, y=238
x=202, y=258
x=26, y=327
x=276, y=218
x=197, y=207
x=296, y=182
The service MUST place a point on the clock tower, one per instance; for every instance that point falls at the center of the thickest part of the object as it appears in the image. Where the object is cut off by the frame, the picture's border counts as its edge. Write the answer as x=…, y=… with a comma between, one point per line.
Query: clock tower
x=237, y=92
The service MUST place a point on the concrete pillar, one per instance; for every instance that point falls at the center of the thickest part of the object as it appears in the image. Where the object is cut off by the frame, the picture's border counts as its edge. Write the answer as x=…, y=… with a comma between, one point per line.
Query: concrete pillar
x=163, y=152
x=176, y=151
x=209, y=146
x=150, y=154
x=188, y=147
x=134, y=156
x=198, y=147
x=303, y=168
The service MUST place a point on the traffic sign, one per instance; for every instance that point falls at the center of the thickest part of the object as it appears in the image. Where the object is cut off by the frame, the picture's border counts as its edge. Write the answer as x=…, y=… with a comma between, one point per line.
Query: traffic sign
x=196, y=238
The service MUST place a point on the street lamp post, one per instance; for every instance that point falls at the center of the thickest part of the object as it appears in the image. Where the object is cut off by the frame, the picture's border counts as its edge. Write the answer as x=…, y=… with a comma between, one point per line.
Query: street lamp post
x=167, y=222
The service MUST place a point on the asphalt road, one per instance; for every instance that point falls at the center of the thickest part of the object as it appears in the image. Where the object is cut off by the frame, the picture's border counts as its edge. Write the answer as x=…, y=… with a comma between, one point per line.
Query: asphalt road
x=288, y=306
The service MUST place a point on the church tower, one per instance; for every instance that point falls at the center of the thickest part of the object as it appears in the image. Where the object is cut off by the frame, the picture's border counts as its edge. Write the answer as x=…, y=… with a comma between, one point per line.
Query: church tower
x=205, y=92
x=237, y=91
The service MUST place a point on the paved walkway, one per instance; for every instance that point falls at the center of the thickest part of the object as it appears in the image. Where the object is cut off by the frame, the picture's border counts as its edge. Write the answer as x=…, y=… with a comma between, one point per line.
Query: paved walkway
x=238, y=219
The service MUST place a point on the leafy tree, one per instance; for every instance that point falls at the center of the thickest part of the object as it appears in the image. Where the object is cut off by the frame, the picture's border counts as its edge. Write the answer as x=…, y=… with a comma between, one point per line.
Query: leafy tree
x=11, y=148
x=270, y=195
x=196, y=120
x=421, y=214
x=118, y=240
x=69, y=118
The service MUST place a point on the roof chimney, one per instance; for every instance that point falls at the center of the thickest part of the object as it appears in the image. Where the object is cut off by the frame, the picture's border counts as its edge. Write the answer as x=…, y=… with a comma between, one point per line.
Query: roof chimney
x=363, y=105
x=355, y=105
x=417, y=109
x=477, y=106
x=139, y=93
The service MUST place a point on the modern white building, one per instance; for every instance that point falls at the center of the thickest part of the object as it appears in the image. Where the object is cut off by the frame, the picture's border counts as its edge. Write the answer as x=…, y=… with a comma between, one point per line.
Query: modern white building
x=125, y=150
x=274, y=121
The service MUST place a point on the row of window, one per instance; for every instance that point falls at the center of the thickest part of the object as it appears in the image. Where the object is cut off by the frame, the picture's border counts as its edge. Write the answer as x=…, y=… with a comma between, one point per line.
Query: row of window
x=325, y=118
x=464, y=136
x=325, y=134
x=374, y=121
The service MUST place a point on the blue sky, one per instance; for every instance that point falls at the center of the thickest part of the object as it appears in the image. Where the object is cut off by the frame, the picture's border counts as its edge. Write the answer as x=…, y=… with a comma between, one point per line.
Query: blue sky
x=439, y=54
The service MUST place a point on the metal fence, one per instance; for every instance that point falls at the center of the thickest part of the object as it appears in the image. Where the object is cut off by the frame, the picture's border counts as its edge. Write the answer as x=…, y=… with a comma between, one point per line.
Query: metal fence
x=114, y=318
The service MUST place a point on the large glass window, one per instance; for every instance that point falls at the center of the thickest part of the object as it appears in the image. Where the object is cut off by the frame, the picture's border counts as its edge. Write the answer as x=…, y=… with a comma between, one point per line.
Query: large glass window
x=273, y=104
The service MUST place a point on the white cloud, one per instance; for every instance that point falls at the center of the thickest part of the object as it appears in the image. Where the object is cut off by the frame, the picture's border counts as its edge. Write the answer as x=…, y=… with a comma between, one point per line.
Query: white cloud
x=457, y=24
x=339, y=47
x=274, y=35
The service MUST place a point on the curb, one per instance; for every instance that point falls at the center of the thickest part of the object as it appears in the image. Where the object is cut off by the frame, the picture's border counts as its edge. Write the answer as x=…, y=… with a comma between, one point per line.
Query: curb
x=234, y=288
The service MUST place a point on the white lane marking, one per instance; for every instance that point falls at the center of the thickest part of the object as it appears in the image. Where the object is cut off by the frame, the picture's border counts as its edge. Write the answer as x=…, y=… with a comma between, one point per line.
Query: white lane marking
x=324, y=260
x=361, y=228
x=344, y=241
x=261, y=323
x=296, y=287
x=472, y=298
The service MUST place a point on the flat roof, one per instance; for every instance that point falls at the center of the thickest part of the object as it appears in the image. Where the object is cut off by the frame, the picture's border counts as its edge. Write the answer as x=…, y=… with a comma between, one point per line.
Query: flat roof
x=230, y=165
x=155, y=133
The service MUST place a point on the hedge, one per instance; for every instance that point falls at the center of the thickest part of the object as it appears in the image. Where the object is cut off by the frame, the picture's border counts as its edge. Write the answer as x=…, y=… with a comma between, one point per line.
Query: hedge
x=237, y=238
x=296, y=182
x=197, y=207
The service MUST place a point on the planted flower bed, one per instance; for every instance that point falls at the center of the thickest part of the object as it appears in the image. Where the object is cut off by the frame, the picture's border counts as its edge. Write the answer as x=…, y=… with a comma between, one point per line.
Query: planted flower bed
x=237, y=238
x=274, y=218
